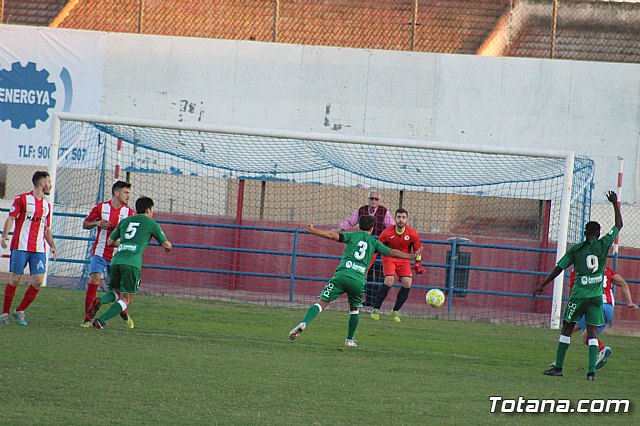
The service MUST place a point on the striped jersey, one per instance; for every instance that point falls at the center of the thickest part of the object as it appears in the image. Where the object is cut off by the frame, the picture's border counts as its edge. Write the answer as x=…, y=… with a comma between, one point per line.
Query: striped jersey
x=105, y=211
x=607, y=285
x=32, y=217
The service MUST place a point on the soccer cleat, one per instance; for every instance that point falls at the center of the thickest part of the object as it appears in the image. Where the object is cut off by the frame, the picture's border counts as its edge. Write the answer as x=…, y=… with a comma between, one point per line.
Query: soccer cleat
x=4, y=319
x=93, y=309
x=555, y=371
x=603, y=356
x=129, y=323
x=352, y=343
x=293, y=334
x=375, y=315
x=97, y=324
x=20, y=316
x=86, y=324
x=395, y=316
x=591, y=376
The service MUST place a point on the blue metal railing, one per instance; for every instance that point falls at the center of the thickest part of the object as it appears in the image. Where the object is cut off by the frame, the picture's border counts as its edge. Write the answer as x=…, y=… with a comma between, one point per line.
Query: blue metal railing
x=452, y=266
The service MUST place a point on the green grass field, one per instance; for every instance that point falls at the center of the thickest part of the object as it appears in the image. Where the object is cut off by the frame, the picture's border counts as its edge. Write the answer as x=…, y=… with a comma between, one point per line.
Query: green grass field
x=202, y=362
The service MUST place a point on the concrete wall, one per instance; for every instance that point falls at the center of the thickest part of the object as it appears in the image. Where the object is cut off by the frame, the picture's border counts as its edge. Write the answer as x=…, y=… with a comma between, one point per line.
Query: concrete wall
x=592, y=108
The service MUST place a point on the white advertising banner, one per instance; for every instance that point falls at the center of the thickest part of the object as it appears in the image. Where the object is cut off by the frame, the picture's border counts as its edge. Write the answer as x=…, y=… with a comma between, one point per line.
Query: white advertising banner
x=43, y=70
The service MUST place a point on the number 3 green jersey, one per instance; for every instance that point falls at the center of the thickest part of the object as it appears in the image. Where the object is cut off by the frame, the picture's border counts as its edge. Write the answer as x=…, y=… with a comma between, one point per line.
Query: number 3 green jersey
x=589, y=259
x=358, y=254
x=135, y=233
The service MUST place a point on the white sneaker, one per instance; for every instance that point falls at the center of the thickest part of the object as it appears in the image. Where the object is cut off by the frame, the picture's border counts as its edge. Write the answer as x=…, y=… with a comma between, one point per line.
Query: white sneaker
x=4, y=319
x=603, y=356
x=352, y=343
x=293, y=334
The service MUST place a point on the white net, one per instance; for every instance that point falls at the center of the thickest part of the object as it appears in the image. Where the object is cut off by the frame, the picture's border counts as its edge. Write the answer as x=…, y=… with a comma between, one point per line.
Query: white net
x=234, y=206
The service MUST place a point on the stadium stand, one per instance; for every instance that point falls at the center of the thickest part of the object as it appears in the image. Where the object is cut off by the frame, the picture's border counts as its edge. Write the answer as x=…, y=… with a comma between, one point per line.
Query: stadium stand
x=596, y=31
x=38, y=13
x=585, y=30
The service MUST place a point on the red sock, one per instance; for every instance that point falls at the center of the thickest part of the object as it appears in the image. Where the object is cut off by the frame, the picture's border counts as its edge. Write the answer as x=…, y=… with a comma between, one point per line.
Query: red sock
x=123, y=314
x=600, y=345
x=92, y=290
x=29, y=296
x=9, y=292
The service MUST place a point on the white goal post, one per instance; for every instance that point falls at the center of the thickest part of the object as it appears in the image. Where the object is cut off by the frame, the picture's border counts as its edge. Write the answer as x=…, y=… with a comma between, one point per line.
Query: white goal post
x=247, y=139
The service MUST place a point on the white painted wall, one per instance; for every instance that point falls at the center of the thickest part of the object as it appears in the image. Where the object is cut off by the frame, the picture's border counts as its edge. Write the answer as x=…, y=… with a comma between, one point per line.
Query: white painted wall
x=592, y=108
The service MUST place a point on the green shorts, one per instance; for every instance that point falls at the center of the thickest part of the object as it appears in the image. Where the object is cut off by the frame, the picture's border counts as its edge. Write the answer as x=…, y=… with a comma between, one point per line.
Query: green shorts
x=125, y=279
x=590, y=307
x=340, y=284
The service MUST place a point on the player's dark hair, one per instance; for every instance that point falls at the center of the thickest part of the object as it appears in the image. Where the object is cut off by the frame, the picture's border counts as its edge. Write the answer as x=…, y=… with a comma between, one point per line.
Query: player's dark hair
x=401, y=210
x=118, y=186
x=37, y=176
x=143, y=204
x=366, y=222
x=592, y=229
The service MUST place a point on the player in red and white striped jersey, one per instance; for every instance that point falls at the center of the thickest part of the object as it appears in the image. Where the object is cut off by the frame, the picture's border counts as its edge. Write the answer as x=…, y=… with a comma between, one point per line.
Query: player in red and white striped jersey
x=611, y=278
x=105, y=217
x=31, y=214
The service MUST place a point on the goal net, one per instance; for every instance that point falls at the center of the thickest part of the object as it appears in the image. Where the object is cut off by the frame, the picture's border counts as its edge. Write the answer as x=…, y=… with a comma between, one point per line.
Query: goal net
x=234, y=203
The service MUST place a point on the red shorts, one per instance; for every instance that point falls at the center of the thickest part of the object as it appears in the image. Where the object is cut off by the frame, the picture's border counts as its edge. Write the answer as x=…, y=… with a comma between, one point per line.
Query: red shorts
x=394, y=266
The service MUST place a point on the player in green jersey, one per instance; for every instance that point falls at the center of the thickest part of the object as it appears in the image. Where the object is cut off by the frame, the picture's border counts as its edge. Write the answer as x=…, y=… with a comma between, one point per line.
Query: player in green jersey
x=589, y=260
x=131, y=236
x=350, y=275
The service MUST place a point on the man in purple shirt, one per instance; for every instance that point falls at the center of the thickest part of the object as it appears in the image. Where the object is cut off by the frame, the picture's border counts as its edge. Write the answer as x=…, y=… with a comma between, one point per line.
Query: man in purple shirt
x=383, y=220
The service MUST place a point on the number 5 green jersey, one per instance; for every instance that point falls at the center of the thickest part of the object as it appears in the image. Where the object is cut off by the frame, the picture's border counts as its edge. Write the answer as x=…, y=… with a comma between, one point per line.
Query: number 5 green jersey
x=589, y=259
x=135, y=233
x=358, y=253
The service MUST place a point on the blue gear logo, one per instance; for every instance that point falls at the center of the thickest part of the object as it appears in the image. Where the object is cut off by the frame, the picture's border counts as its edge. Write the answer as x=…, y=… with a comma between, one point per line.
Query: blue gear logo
x=26, y=95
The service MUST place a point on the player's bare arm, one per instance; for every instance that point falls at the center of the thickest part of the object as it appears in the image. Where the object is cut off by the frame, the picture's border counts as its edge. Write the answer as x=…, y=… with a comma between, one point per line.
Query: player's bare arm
x=167, y=246
x=402, y=255
x=330, y=235
x=104, y=224
x=617, y=279
x=552, y=276
x=613, y=199
x=8, y=224
x=113, y=243
x=48, y=236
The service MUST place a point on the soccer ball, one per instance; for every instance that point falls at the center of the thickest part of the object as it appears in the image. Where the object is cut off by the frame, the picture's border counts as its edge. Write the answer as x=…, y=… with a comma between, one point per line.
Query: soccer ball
x=435, y=297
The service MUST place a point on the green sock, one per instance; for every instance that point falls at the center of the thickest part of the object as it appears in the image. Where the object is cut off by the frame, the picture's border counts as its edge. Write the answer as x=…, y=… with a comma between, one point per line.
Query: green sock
x=114, y=310
x=312, y=312
x=353, y=324
x=593, y=356
x=561, y=353
x=108, y=298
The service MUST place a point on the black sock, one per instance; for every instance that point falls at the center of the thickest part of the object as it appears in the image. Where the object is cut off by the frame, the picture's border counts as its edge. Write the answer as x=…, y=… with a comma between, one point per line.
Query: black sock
x=382, y=294
x=403, y=294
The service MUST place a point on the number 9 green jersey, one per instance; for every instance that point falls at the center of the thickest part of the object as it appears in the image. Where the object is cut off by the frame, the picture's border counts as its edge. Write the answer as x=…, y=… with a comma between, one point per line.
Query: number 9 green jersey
x=589, y=259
